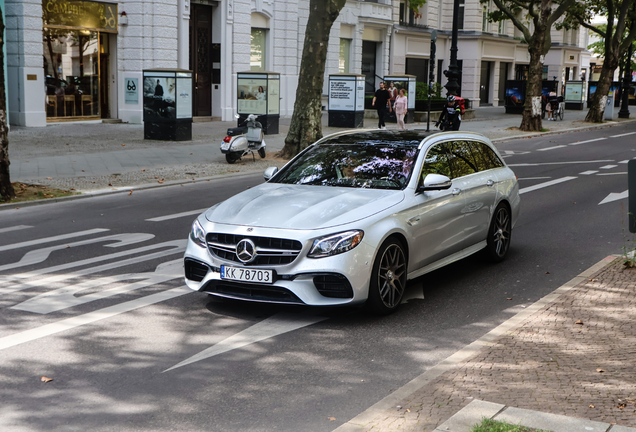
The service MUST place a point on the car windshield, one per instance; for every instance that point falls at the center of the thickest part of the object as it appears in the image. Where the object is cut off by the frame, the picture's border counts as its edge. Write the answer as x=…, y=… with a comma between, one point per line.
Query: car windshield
x=374, y=165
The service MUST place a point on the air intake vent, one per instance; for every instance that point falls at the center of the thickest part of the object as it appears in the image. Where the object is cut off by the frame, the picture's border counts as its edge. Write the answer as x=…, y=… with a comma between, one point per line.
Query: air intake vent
x=195, y=270
x=333, y=286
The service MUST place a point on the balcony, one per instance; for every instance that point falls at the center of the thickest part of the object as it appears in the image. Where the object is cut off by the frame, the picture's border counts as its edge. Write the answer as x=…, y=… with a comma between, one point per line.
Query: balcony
x=376, y=10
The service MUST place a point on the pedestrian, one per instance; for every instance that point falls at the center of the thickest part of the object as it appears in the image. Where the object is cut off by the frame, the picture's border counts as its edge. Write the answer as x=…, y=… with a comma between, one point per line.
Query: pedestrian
x=393, y=92
x=380, y=101
x=400, y=108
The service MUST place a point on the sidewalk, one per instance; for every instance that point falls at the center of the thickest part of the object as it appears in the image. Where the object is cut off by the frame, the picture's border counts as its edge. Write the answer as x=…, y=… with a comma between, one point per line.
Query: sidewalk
x=96, y=157
x=571, y=354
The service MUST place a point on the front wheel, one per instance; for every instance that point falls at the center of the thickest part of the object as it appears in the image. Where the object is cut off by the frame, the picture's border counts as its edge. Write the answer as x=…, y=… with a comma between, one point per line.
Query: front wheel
x=232, y=157
x=499, y=234
x=561, y=113
x=261, y=152
x=388, y=278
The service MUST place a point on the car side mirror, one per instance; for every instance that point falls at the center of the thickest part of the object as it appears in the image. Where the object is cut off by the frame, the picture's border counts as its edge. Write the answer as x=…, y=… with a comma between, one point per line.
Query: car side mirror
x=433, y=182
x=269, y=173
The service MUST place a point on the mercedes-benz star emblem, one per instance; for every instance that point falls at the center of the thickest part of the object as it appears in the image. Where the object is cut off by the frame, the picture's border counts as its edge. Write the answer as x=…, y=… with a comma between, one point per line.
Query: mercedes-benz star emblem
x=246, y=251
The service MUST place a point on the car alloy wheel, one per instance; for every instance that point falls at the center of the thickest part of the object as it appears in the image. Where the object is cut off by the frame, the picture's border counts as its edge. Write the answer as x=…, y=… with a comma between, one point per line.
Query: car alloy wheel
x=499, y=234
x=388, y=278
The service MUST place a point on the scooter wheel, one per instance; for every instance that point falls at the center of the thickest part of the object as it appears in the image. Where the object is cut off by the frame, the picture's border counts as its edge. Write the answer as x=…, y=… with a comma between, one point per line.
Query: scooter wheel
x=231, y=157
x=261, y=152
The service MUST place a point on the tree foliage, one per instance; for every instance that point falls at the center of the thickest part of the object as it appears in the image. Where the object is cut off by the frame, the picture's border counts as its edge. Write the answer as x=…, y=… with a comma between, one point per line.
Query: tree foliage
x=534, y=19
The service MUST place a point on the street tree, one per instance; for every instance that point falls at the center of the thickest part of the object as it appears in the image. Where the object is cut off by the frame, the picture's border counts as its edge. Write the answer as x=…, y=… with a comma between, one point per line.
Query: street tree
x=6, y=189
x=306, y=126
x=534, y=18
x=616, y=36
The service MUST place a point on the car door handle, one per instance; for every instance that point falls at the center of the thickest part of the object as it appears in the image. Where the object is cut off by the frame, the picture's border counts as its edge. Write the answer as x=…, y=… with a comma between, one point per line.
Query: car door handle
x=456, y=191
x=413, y=221
x=490, y=183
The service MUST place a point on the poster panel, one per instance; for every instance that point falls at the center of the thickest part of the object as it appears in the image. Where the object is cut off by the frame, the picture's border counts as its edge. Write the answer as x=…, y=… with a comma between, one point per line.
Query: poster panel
x=159, y=98
x=184, y=97
x=574, y=91
x=273, y=96
x=131, y=90
x=342, y=92
x=411, y=93
x=252, y=95
x=360, y=94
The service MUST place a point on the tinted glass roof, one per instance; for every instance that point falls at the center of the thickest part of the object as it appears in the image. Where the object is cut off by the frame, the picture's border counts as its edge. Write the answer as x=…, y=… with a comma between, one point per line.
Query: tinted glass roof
x=409, y=138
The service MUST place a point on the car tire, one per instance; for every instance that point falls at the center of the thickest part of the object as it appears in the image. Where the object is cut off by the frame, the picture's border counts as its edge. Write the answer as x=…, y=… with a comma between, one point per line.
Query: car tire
x=499, y=234
x=261, y=152
x=388, y=278
x=231, y=157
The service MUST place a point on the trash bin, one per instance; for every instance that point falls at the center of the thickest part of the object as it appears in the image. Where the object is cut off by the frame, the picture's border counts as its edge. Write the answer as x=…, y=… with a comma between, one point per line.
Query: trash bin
x=168, y=104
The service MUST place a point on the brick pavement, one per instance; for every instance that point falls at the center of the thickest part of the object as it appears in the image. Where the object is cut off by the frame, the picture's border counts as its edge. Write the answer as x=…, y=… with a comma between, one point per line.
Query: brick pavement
x=549, y=363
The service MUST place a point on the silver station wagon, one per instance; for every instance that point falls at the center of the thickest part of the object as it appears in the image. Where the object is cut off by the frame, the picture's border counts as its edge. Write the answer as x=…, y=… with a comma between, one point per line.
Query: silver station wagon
x=353, y=217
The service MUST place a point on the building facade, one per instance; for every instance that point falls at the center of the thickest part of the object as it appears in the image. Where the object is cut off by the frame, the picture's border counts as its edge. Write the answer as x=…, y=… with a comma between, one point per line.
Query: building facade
x=84, y=60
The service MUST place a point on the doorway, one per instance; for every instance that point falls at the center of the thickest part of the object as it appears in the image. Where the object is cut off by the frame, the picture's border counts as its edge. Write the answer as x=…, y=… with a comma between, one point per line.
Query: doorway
x=484, y=84
x=200, y=59
x=104, y=66
x=504, y=70
x=369, y=50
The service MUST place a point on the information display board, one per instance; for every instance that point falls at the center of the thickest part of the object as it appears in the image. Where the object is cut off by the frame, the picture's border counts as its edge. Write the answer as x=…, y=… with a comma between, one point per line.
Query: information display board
x=346, y=100
x=258, y=92
x=167, y=103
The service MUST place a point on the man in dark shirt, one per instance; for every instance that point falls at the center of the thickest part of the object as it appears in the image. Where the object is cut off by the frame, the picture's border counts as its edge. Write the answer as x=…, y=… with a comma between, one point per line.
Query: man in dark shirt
x=379, y=102
x=158, y=89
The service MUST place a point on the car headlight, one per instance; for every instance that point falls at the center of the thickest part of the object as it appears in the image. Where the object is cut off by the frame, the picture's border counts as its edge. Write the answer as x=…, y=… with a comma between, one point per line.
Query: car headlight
x=197, y=235
x=335, y=244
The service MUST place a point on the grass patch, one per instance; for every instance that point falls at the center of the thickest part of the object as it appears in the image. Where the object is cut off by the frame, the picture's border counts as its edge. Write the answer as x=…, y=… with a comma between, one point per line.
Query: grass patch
x=27, y=192
x=489, y=425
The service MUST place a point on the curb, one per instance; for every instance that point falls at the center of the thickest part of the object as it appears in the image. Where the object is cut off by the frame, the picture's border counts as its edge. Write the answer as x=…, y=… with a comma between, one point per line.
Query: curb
x=357, y=424
x=579, y=129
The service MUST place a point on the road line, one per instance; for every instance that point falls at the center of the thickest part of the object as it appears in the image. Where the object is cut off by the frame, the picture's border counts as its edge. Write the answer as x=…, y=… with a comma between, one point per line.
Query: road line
x=51, y=239
x=269, y=328
x=177, y=215
x=15, y=228
x=560, y=163
x=588, y=141
x=608, y=167
x=612, y=173
x=551, y=148
x=622, y=135
x=534, y=178
x=588, y=172
x=89, y=318
x=615, y=197
x=546, y=184
x=624, y=161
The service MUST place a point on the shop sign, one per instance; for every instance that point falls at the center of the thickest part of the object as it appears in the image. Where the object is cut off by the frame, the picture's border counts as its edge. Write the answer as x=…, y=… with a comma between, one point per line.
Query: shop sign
x=80, y=14
x=131, y=90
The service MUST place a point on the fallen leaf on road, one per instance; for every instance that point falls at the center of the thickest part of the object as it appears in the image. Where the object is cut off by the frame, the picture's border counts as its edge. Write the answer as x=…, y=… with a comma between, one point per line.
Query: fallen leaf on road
x=599, y=370
x=110, y=184
x=72, y=189
x=622, y=405
x=547, y=272
x=123, y=145
x=579, y=322
x=17, y=208
x=591, y=406
x=49, y=178
x=130, y=193
x=408, y=410
x=143, y=170
x=66, y=143
x=331, y=418
x=508, y=298
x=191, y=154
x=83, y=171
x=160, y=181
x=46, y=379
x=67, y=246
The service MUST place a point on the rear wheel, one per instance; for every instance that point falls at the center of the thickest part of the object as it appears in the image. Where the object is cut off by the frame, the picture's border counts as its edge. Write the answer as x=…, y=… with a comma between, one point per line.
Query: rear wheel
x=232, y=157
x=388, y=278
x=261, y=152
x=499, y=234
x=561, y=112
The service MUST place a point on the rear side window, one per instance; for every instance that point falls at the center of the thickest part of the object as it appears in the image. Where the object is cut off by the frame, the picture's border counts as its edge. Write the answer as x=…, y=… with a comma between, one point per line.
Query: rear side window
x=483, y=157
x=451, y=159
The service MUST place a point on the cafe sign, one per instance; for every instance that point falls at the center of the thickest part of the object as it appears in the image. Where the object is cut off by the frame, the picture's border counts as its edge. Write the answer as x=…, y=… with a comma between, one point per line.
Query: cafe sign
x=80, y=14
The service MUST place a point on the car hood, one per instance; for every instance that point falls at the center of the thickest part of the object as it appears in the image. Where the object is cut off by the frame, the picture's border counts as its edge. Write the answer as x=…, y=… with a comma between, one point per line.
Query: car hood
x=275, y=205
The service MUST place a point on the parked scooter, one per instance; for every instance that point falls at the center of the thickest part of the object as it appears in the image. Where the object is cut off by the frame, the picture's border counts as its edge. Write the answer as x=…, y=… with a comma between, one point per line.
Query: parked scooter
x=244, y=140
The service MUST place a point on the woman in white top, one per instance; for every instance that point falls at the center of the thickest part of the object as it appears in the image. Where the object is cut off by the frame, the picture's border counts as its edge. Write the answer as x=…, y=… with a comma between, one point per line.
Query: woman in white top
x=400, y=109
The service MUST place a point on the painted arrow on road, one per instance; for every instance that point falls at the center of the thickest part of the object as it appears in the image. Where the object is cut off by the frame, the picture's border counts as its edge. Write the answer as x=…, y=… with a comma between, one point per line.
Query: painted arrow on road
x=615, y=197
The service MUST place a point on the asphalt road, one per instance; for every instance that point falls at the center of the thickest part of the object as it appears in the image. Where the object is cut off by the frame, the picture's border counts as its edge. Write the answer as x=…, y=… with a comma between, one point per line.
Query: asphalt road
x=105, y=314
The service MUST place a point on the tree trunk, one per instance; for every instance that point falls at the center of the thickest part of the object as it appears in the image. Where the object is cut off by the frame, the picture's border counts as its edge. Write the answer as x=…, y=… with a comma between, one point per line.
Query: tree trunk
x=6, y=189
x=531, y=119
x=599, y=98
x=306, y=123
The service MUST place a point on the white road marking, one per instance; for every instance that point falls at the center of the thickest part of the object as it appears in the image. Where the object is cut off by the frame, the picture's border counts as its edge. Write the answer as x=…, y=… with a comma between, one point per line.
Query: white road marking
x=89, y=318
x=624, y=162
x=615, y=197
x=15, y=228
x=588, y=172
x=64, y=298
x=269, y=328
x=551, y=148
x=51, y=239
x=588, y=141
x=177, y=215
x=39, y=255
x=546, y=184
x=560, y=163
x=612, y=173
x=608, y=167
x=177, y=246
x=534, y=178
x=622, y=135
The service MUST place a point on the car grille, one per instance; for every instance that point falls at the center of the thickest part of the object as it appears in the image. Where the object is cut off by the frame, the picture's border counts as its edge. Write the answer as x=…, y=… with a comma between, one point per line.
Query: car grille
x=195, y=270
x=252, y=292
x=333, y=286
x=270, y=251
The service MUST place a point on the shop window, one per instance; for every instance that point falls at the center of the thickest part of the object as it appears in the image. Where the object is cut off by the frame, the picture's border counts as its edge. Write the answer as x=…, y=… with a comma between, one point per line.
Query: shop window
x=71, y=70
x=345, y=50
x=460, y=15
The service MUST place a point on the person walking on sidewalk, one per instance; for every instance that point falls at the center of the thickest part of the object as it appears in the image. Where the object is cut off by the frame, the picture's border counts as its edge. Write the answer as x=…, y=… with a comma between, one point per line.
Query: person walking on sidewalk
x=400, y=109
x=382, y=96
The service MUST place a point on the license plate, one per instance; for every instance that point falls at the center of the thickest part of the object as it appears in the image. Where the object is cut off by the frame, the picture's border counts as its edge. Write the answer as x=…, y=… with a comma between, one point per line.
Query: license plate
x=247, y=275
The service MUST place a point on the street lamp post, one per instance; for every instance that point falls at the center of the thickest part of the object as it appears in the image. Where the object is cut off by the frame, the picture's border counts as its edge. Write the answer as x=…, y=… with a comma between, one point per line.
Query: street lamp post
x=431, y=77
x=627, y=81
x=452, y=86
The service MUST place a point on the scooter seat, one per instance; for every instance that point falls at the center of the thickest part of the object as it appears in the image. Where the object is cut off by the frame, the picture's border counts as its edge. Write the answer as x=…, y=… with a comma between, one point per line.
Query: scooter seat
x=236, y=131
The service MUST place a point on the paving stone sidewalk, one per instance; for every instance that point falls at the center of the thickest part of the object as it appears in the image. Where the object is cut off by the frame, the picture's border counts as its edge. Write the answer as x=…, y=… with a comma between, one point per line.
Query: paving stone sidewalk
x=575, y=357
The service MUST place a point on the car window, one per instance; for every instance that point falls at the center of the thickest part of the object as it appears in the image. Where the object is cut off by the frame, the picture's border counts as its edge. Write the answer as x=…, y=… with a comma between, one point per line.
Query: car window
x=363, y=165
x=437, y=161
x=463, y=162
x=485, y=157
